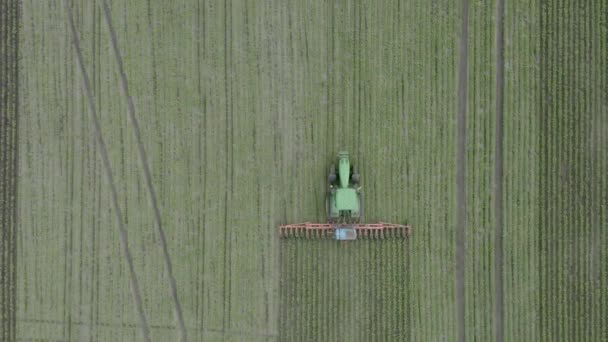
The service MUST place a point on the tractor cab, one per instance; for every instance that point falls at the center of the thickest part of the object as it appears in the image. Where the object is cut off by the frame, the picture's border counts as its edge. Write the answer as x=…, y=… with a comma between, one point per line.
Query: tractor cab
x=343, y=198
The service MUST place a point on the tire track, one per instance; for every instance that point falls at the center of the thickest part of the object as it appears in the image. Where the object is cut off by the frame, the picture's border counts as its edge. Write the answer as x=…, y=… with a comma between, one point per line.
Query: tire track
x=202, y=152
x=147, y=174
x=498, y=176
x=227, y=289
x=461, y=212
x=4, y=179
x=108, y=172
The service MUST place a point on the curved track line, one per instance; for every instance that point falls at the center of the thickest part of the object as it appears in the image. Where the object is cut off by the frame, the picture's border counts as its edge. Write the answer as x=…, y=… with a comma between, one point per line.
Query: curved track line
x=108, y=172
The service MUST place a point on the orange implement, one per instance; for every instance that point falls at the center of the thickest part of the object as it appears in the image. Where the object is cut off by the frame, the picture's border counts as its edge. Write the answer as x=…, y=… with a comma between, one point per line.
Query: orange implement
x=370, y=230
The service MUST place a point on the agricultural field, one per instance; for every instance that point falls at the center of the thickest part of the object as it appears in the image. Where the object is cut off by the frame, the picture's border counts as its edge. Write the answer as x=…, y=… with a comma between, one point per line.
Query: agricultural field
x=8, y=167
x=363, y=288
x=242, y=106
x=573, y=189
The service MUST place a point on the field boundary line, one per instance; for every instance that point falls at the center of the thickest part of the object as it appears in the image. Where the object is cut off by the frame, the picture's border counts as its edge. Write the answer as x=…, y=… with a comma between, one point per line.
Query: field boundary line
x=461, y=160
x=498, y=175
x=147, y=174
x=109, y=177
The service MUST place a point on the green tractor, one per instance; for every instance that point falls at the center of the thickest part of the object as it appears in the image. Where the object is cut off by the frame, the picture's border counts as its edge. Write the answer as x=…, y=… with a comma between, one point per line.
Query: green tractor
x=343, y=201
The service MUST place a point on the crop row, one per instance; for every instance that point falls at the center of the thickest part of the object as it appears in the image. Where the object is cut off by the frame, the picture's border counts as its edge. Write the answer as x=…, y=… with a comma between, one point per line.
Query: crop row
x=355, y=291
x=8, y=166
x=573, y=190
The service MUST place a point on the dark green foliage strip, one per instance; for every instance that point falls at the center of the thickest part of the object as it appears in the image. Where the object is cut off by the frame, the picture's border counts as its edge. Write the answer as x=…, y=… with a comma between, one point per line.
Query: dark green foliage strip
x=573, y=170
x=9, y=26
x=356, y=291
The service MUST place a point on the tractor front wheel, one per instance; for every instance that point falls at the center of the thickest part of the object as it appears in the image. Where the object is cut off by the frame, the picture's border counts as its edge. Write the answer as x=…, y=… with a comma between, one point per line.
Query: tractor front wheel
x=355, y=178
x=332, y=175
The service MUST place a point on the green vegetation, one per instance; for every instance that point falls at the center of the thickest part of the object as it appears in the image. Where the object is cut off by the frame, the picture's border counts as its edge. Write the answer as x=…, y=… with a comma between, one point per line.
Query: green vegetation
x=573, y=203
x=9, y=35
x=255, y=98
x=347, y=291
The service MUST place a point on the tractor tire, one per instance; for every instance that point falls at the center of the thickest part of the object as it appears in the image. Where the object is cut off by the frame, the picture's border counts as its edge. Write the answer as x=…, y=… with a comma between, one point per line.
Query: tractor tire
x=332, y=177
x=355, y=178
